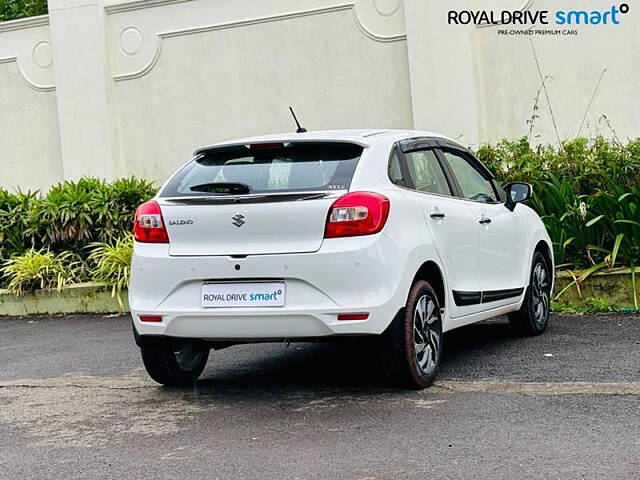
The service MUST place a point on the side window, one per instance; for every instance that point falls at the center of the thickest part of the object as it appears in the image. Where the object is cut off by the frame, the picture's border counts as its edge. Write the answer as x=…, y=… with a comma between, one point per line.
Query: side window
x=425, y=172
x=395, y=171
x=473, y=185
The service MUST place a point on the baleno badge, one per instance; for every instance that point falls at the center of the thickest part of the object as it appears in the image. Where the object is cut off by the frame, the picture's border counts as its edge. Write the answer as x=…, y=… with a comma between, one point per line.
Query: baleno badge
x=187, y=221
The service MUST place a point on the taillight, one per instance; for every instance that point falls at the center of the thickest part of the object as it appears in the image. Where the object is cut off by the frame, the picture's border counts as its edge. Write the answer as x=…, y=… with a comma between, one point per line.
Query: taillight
x=357, y=213
x=148, y=225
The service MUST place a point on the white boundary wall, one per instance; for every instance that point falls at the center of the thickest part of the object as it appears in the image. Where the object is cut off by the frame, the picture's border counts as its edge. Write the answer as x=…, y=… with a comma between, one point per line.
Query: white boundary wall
x=116, y=88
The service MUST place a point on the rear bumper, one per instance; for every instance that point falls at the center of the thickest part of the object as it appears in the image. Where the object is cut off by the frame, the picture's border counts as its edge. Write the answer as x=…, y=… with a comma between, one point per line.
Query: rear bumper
x=350, y=275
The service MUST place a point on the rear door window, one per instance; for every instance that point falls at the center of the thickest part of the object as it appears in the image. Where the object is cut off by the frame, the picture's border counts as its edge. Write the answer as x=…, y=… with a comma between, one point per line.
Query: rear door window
x=425, y=172
x=267, y=168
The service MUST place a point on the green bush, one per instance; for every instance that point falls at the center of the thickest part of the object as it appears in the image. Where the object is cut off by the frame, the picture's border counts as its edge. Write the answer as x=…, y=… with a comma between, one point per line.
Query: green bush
x=12, y=9
x=587, y=193
x=38, y=269
x=588, y=165
x=112, y=263
x=14, y=209
x=70, y=216
x=66, y=217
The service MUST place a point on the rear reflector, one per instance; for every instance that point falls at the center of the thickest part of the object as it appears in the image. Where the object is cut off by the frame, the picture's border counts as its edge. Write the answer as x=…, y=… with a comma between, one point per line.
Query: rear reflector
x=357, y=213
x=353, y=316
x=148, y=224
x=150, y=319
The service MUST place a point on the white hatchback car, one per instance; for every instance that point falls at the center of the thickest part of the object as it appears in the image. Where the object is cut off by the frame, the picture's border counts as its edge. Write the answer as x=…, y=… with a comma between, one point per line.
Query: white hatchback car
x=396, y=235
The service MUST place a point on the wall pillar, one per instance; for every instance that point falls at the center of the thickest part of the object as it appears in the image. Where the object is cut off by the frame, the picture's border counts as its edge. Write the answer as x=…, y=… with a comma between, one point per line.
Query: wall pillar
x=83, y=89
x=444, y=87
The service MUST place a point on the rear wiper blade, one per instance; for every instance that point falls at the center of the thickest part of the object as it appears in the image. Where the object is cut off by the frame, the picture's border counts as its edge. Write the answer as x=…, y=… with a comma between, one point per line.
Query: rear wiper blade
x=224, y=188
x=311, y=196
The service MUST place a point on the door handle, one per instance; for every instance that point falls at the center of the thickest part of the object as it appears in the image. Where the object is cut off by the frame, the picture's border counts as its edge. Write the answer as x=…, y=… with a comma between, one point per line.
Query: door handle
x=437, y=214
x=485, y=221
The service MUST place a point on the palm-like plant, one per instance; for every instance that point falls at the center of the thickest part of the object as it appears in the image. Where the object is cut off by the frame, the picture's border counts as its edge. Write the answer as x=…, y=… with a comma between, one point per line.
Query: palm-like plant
x=112, y=263
x=37, y=270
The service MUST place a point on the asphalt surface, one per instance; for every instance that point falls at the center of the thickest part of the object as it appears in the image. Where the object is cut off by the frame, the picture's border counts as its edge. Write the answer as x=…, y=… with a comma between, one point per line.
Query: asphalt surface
x=75, y=403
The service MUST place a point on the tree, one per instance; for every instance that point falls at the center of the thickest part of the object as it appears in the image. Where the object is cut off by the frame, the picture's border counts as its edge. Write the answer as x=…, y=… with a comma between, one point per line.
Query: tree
x=12, y=9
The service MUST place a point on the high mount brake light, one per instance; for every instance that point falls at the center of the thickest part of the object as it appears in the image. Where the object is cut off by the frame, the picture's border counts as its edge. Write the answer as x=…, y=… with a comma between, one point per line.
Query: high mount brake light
x=265, y=146
x=148, y=225
x=357, y=213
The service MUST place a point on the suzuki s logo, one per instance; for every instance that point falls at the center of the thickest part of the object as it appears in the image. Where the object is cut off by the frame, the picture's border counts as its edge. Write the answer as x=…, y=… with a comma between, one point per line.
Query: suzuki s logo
x=238, y=220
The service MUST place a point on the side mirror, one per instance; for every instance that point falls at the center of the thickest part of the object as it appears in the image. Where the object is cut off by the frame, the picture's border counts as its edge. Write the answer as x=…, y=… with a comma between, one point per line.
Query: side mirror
x=516, y=193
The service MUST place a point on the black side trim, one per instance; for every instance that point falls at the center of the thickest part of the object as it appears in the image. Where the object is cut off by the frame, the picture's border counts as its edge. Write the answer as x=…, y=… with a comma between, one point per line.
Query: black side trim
x=495, y=295
x=466, y=298
x=463, y=299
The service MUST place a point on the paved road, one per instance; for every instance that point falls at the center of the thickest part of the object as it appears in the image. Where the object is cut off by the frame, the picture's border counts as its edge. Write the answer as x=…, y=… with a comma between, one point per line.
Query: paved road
x=74, y=403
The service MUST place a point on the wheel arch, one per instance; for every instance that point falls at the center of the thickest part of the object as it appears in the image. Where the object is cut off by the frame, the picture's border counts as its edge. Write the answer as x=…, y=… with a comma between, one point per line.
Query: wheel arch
x=431, y=272
x=545, y=249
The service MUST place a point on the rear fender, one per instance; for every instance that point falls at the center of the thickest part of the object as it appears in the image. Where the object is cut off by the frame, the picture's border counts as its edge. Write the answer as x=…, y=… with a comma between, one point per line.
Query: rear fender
x=416, y=259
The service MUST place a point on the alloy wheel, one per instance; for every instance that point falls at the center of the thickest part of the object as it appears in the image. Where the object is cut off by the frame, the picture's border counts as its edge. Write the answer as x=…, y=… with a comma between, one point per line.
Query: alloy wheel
x=427, y=332
x=540, y=294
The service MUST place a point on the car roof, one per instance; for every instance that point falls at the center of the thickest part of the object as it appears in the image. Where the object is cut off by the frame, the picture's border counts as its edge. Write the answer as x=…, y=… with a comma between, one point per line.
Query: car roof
x=364, y=137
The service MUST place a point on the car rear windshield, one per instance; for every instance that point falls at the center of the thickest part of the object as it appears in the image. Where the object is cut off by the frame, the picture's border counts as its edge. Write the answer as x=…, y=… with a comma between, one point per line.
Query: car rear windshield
x=267, y=168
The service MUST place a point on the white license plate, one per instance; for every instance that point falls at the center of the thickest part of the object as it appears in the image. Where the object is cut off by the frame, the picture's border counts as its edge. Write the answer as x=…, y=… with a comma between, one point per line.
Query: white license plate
x=260, y=294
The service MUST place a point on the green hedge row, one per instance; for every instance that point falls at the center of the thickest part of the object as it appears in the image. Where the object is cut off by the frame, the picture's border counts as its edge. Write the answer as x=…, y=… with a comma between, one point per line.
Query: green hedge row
x=587, y=192
x=70, y=216
x=77, y=231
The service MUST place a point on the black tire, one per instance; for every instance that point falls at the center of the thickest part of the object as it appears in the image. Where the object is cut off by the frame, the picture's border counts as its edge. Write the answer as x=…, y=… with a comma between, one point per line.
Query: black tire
x=412, y=347
x=533, y=317
x=177, y=365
